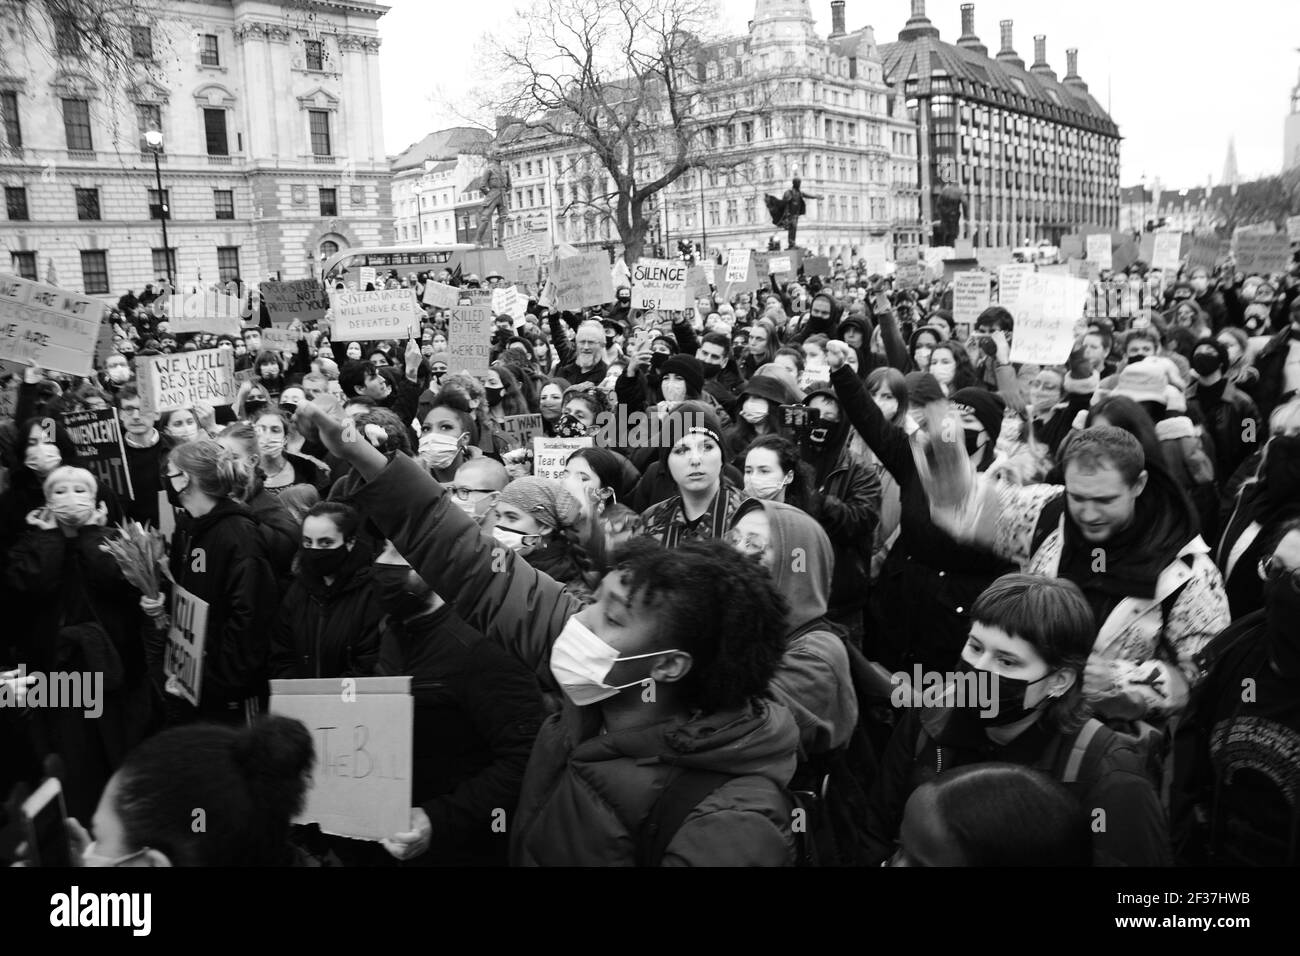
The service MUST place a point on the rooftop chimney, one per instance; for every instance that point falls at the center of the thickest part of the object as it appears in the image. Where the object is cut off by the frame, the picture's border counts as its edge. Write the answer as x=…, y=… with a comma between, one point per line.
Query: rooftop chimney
x=1040, y=67
x=1008, y=52
x=968, y=40
x=837, y=18
x=918, y=25
x=1072, y=78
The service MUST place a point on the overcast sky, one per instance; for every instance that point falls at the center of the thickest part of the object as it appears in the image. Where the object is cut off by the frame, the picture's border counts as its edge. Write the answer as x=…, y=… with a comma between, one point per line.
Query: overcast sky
x=1181, y=77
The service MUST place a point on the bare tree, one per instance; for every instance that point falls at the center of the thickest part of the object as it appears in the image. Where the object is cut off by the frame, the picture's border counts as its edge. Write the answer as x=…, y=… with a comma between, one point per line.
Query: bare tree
x=622, y=81
x=97, y=33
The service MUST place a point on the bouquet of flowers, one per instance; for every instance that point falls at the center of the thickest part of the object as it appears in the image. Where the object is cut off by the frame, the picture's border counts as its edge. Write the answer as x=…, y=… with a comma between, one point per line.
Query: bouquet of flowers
x=142, y=555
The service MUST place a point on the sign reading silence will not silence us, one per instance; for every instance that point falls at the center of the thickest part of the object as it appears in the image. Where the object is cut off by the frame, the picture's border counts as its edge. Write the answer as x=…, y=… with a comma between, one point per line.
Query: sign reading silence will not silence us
x=659, y=284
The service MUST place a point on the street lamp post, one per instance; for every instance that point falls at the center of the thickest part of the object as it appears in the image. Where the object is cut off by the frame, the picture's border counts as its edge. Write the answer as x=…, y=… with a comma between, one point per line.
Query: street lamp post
x=704, y=229
x=154, y=140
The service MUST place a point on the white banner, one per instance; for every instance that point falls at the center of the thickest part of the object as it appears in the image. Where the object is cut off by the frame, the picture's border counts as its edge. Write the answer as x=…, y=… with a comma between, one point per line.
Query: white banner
x=970, y=296
x=1050, y=306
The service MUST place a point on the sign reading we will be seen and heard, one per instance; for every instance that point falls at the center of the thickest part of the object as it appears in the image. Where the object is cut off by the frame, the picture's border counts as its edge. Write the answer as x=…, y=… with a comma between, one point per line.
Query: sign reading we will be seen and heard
x=184, y=379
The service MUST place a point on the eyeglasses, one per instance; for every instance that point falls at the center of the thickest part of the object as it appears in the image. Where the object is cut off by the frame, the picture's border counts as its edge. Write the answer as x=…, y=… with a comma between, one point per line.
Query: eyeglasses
x=747, y=543
x=1272, y=569
x=463, y=493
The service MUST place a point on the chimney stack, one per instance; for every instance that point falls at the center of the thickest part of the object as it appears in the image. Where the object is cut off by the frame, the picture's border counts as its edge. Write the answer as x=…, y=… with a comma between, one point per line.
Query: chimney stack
x=1072, y=78
x=968, y=40
x=1008, y=52
x=1041, y=67
x=918, y=25
x=837, y=18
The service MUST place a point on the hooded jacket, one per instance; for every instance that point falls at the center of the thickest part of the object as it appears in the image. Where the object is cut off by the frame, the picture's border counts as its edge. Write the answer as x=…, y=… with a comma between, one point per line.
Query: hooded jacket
x=328, y=630
x=813, y=326
x=813, y=679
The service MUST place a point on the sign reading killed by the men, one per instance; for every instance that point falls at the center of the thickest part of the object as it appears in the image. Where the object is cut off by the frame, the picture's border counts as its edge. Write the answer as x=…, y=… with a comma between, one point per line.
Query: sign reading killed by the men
x=659, y=284
x=580, y=281
x=183, y=660
x=469, y=339
x=1258, y=254
x=303, y=299
x=970, y=296
x=520, y=430
x=1049, y=306
x=98, y=439
x=47, y=326
x=382, y=314
x=184, y=379
x=362, y=728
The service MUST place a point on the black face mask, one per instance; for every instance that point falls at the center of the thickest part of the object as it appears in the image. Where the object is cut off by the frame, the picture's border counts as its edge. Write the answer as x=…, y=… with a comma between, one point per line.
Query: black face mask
x=494, y=395
x=1009, y=693
x=173, y=496
x=657, y=360
x=289, y=407
x=824, y=435
x=323, y=562
x=254, y=407
x=972, y=442
x=1206, y=363
x=400, y=592
x=711, y=371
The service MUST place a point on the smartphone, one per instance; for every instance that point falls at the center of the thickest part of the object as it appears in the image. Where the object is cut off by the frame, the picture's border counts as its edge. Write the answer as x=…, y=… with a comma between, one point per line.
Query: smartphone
x=799, y=416
x=47, y=835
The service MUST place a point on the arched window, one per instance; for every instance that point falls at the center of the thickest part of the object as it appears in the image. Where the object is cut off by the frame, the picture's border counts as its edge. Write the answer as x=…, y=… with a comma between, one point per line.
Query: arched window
x=328, y=248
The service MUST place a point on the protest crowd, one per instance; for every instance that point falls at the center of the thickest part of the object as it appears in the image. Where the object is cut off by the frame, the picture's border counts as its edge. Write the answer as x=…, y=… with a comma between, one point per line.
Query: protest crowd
x=810, y=566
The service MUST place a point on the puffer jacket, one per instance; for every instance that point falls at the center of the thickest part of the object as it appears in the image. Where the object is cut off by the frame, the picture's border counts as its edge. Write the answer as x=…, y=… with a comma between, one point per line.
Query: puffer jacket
x=328, y=630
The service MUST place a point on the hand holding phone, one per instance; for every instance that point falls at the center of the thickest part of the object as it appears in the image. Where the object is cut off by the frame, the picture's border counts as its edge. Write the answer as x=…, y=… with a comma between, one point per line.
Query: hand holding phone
x=44, y=816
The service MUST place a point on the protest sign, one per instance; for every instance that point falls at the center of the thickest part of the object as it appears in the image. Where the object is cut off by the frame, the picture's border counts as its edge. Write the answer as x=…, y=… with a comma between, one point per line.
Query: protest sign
x=1263, y=255
x=779, y=266
x=738, y=262
x=1166, y=251
x=970, y=295
x=520, y=247
x=47, y=326
x=362, y=728
x=1083, y=269
x=520, y=430
x=369, y=277
x=383, y=314
x=1049, y=307
x=1123, y=255
x=1293, y=228
x=282, y=340
x=659, y=284
x=934, y=256
x=469, y=339
x=207, y=312
x=1009, y=279
x=908, y=275
x=183, y=379
x=875, y=253
x=550, y=455
x=908, y=254
x=963, y=249
x=508, y=301
x=1099, y=250
x=1073, y=246
x=301, y=299
x=98, y=438
x=994, y=257
x=817, y=266
x=710, y=275
x=1205, y=252
x=760, y=261
x=953, y=266
x=581, y=280
x=186, y=636
x=697, y=283
x=104, y=346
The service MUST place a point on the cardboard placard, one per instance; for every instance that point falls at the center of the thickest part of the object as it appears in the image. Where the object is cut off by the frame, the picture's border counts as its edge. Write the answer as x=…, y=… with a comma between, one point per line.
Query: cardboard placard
x=186, y=636
x=213, y=312
x=551, y=455
x=909, y=275
x=738, y=263
x=440, y=296
x=303, y=299
x=581, y=280
x=1049, y=308
x=1263, y=255
x=369, y=277
x=46, y=326
x=362, y=728
x=971, y=293
x=183, y=379
x=1205, y=252
x=382, y=314
x=469, y=339
x=97, y=436
x=508, y=301
x=1010, y=278
x=697, y=283
x=1166, y=251
x=1073, y=246
x=520, y=430
x=1098, y=250
x=817, y=266
x=282, y=340
x=104, y=346
x=659, y=284
x=952, y=267
x=520, y=247
x=779, y=266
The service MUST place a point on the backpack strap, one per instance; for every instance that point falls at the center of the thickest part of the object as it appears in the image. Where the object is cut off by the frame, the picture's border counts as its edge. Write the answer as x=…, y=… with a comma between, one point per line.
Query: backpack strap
x=1074, y=763
x=684, y=790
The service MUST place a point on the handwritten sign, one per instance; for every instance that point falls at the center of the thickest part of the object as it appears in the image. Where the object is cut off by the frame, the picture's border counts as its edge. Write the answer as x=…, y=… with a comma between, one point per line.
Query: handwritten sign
x=98, y=438
x=817, y=266
x=1009, y=279
x=469, y=339
x=1205, y=252
x=971, y=292
x=520, y=430
x=208, y=312
x=441, y=296
x=282, y=340
x=551, y=455
x=737, y=265
x=1099, y=249
x=369, y=277
x=47, y=326
x=909, y=275
x=383, y=314
x=303, y=299
x=183, y=379
x=508, y=301
x=520, y=247
x=697, y=283
x=1166, y=251
x=659, y=284
x=779, y=266
x=1262, y=255
x=362, y=730
x=183, y=663
x=875, y=252
x=581, y=280
x=1049, y=308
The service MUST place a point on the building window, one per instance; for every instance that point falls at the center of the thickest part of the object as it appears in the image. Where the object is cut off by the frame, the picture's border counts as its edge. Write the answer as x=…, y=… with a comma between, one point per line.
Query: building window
x=87, y=204
x=214, y=129
x=210, y=54
x=142, y=43
x=224, y=201
x=67, y=39
x=329, y=202
x=164, y=261
x=160, y=206
x=320, y=132
x=9, y=113
x=16, y=203
x=76, y=124
x=715, y=214
x=315, y=55
x=24, y=264
x=148, y=117
x=767, y=128
x=228, y=263
x=732, y=212
x=94, y=272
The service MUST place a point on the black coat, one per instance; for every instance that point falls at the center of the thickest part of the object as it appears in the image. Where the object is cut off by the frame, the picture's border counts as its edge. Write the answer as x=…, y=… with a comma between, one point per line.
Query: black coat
x=328, y=630
x=1269, y=389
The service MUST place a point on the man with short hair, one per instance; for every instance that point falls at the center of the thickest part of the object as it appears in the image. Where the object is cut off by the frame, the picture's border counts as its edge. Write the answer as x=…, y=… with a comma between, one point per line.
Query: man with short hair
x=722, y=378
x=584, y=360
x=476, y=486
x=144, y=455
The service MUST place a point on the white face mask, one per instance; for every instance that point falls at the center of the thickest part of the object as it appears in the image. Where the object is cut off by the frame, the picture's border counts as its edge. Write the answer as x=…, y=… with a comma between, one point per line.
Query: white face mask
x=119, y=373
x=943, y=372
x=74, y=510
x=767, y=488
x=516, y=541
x=439, y=449
x=580, y=662
x=673, y=391
x=42, y=458
x=754, y=410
